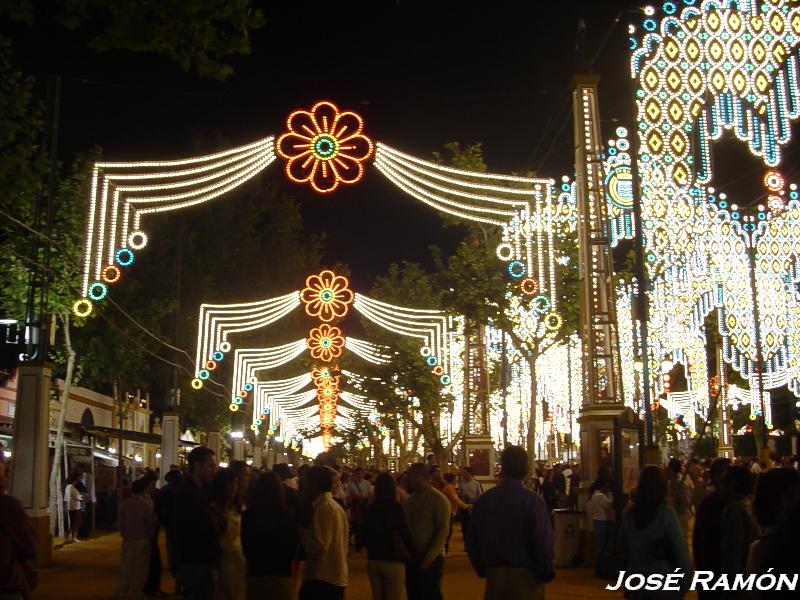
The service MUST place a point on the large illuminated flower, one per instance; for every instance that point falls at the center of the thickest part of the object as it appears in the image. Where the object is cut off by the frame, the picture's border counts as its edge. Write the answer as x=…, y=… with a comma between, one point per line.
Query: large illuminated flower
x=324, y=147
x=327, y=296
x=325, y=342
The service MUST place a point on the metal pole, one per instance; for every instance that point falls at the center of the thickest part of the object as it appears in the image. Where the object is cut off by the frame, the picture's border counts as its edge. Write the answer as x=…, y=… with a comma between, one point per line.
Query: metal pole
x=642, y=303
x=751, y=264
x=569, y=393
x=503, y=385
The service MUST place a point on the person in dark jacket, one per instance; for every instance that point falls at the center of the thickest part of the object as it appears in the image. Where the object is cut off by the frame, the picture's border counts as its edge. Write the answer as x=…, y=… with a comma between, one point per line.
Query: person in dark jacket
x=269, y=540
x=165, y=511
x=510, y=537
x=17, y=544
x=388, y=541
x=198, y=528
x=707, y=535
x=291, y=495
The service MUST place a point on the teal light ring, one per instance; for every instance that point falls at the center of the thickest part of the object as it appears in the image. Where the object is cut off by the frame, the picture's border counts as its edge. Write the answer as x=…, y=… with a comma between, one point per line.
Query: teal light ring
x=124, y=257
x=97, y=291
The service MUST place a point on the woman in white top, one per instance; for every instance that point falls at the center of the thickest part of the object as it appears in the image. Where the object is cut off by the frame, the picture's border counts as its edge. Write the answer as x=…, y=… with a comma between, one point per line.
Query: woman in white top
x=601, y=511
x=74, y=500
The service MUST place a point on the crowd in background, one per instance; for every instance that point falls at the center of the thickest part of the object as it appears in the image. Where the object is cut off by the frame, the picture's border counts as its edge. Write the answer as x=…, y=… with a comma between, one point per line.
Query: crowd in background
x=240, y=532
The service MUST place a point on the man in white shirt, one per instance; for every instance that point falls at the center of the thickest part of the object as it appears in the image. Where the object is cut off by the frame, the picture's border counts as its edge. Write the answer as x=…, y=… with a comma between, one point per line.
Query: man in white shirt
x=325, y=573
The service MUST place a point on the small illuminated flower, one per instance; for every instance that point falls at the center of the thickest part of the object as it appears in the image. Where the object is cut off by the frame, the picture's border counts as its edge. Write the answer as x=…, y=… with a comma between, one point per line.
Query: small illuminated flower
x=324, y=377
x=324, y=147
x=327, y=296
x=325, y=342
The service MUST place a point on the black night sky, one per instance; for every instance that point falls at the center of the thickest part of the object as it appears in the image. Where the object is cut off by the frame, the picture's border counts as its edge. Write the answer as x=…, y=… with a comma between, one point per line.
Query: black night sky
x=421, y=73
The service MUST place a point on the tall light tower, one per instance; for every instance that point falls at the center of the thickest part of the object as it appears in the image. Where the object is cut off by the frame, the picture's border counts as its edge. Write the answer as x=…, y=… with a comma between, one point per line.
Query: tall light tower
x=602, y=390
x=478, y=446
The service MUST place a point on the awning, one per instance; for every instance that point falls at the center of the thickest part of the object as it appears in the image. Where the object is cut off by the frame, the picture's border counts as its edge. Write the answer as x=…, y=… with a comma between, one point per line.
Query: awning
x=125, y=434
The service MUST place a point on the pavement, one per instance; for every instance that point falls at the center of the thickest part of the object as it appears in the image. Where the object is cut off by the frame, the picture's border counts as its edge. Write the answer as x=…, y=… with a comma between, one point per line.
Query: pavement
x=88, y=570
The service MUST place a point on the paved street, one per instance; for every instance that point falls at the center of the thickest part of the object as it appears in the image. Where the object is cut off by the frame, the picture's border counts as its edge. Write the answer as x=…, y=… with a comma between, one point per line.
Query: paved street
x=88, y=571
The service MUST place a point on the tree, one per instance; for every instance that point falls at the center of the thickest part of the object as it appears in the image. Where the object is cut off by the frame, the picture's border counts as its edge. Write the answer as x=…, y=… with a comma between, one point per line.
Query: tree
x=404, y=389
x=199, y=35
x=475, y=284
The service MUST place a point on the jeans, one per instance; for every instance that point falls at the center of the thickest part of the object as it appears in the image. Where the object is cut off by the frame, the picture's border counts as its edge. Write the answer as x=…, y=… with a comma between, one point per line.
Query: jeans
x=316, y=589
x=386, y=577
x=603, y=531
x=425, y=584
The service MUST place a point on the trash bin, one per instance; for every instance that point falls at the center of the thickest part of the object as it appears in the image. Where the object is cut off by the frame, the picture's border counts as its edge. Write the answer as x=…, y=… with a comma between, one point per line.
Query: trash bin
x=566, y=529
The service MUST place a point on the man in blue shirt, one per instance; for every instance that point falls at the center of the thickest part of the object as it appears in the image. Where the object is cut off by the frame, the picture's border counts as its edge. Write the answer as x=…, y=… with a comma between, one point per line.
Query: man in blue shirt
x=510, y=537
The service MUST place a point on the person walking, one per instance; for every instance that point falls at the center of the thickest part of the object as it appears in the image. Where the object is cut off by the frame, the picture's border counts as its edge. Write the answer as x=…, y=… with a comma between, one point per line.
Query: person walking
x=198, y=528
x=224, y=499
x=89, y=500
x=679, y=496
x=601, y=511
x=650, y=535
x=456, y=504
x=774, y=489
x=137, y=526
x=284, y=472
x=707, y=533
x=469, y=490
x=269, y=540
x=510, y=537
x=165, y=511
x=358, y=492
x=17, y=546
x=738, y=528
x=325, y=573
x=388, y=541
x=73, y=499
x=428, y=515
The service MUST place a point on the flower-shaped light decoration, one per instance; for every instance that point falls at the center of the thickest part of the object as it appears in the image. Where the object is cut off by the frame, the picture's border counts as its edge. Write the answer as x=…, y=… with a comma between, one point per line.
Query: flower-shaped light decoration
x=324, y=147
x=325, y=342
x=327, y=296
x=324, y=376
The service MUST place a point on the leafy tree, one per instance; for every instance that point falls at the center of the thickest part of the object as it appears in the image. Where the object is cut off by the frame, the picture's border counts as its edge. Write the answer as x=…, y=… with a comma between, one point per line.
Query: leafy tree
x=475, y=284
x=199, y=35
x=406, y=392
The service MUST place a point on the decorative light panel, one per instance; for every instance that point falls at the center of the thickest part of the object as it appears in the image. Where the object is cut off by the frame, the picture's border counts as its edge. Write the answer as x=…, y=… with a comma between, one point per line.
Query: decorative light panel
x=326, y=296
x=122, y=193
x=324, y=147
x=703, y=70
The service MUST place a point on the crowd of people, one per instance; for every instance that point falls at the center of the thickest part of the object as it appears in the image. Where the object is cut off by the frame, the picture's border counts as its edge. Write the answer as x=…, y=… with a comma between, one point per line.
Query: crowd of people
x=745, y=521
x=239, y=532
x=236, y=532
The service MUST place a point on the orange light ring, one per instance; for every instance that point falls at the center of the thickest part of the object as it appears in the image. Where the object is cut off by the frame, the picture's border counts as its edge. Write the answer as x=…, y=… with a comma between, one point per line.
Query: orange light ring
x=111, y=274
x=529, y=286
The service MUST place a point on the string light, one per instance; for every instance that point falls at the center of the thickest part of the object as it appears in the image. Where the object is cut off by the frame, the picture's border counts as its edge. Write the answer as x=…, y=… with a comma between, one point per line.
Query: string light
x=703, y=73
x=217, y=321
x=368, y=351
x=121, y=193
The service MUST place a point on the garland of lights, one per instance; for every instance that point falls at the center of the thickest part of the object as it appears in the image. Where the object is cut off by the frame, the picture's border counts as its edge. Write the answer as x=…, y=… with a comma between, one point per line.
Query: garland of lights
x=248, y=361
x=121, y=193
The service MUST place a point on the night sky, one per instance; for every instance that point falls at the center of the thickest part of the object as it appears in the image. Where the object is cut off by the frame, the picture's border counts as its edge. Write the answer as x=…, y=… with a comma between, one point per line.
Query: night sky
x=421, y=73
